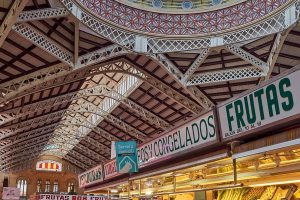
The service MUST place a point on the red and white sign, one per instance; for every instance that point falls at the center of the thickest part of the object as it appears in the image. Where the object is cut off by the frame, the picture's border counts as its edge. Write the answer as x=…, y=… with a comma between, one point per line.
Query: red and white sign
x=49, y=165
x=69, y=197
x=91, y=176
x=11, y=193
x=110, y=169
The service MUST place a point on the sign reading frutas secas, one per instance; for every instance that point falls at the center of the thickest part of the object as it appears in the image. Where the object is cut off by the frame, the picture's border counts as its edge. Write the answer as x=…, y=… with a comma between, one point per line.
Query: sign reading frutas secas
x=126, y=157
x=271, y=103
x=91, y=176
x=198, y=132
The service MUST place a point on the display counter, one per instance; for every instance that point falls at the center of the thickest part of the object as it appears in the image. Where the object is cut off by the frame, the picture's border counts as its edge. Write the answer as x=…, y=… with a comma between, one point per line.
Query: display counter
x=267, y=168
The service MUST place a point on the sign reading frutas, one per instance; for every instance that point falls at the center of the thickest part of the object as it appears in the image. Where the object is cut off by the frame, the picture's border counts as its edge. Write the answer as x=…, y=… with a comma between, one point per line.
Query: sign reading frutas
x=271, y=103
x=91, y=176
x=126, y=157
x=69, y=197
x=195, y=133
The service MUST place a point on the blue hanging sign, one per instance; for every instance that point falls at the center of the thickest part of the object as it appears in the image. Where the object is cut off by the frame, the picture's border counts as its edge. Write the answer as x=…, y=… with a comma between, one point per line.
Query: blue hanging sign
x=126, y=157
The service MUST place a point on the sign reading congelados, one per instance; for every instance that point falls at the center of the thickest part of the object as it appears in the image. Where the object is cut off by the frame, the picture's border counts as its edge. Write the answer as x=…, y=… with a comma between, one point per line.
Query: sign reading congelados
x=91, y=176
x=195, y=133
x=273, y=102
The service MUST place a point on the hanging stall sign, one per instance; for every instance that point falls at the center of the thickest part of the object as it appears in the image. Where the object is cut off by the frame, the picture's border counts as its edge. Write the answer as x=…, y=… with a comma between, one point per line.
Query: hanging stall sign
x=262, y=107
x=110, y=169
x=11, y=193
x=91, y=176
x=197, y=133
x=126, y=157
x=69, y=197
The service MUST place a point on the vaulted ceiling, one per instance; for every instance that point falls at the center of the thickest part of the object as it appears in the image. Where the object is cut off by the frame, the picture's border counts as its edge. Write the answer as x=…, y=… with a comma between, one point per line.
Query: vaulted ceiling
x=68, y=91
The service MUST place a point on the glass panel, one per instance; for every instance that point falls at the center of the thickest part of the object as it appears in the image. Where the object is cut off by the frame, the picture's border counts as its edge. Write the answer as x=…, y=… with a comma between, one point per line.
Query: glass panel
x=47, y=187
x=25, y=188
x=39, y=185
x=55, y=186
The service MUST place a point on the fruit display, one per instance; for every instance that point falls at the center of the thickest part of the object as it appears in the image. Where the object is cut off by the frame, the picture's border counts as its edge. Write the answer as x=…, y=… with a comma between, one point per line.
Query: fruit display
x=254, y=193
x=280, y=193
x=233, y=194
x=268, y=193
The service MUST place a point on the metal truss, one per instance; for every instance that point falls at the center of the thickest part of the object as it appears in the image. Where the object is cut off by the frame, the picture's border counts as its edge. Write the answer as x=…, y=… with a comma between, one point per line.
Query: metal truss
x=10, y=18
x=22, y=143
x=91, y=153
x=100, y=90
x=16, y=128
x=18, y=162
x=276, y=48
x=9, y=90
x=45, y=43
x=68, y=141
x=225, y=75
x=14, y=139
x=88, y=107
x=277, y=22
x=11, y=149
x=88, y=139
x=103, y=133
x=121, y=66
x=178, y=76
x=19, y=152
x=18, y=167
x=111, y=33
x=196, y=64
x=76, y=162
x=82, y=158
x=256, y=62
x=100, y=55
x=97, y=144
x=41, y=14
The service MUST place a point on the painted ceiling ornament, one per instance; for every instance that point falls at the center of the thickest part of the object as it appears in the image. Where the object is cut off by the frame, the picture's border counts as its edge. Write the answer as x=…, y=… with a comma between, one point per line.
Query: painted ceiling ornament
x=157, y=3
x=186, y=5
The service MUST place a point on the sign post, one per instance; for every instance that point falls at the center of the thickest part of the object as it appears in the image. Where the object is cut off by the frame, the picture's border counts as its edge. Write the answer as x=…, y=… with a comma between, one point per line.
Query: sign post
x=126, y=157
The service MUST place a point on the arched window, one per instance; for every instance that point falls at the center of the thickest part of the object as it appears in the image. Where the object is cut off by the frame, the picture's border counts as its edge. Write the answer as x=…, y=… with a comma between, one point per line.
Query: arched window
x=22, y=185
x=39, y=186
x=55, y=186
x=5, y=181
x=71, y=187
x=47, y=186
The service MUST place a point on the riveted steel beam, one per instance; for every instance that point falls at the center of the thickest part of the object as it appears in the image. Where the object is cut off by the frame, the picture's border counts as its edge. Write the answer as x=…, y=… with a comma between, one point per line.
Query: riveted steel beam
x=9, y=90
x=225, y=75
x=18, y=127
x=274, y=53
x=179, y=77
x=256, y=62
x=99, y=90
x=39, y=39
x=13, y=139
x=88, y=107
x=121, y=66
x=10, y=18
x=41, y=14
x=195, y=65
